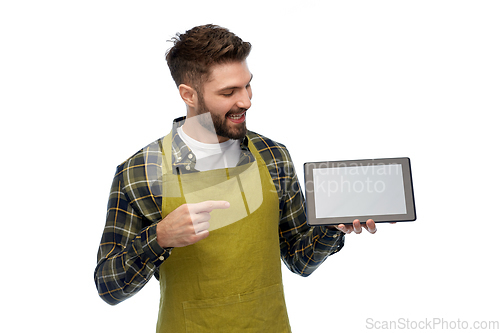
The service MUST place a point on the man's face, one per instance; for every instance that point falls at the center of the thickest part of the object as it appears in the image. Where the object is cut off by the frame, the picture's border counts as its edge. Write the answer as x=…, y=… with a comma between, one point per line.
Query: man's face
x=226, y=95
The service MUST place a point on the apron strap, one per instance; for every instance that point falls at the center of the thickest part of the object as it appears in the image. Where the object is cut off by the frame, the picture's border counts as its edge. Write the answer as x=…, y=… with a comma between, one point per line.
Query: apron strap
x=166, y=142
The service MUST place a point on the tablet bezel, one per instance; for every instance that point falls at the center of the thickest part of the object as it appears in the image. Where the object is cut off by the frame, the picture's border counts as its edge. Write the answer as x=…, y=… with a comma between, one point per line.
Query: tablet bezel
x=312, y=220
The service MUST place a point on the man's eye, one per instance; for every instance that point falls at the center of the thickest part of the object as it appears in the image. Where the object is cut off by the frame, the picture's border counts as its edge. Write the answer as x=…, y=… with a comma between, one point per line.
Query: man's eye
x=228, y=94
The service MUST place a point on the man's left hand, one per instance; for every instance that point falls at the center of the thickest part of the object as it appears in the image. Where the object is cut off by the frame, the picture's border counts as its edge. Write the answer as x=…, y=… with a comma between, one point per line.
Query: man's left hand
x=356, y=226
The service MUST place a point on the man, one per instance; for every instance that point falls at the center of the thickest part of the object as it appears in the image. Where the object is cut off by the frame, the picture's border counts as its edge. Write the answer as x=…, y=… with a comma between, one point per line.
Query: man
x=212, y=207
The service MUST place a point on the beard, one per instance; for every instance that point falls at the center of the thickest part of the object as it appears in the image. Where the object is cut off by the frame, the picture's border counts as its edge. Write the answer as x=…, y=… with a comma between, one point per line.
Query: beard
x=220, y=124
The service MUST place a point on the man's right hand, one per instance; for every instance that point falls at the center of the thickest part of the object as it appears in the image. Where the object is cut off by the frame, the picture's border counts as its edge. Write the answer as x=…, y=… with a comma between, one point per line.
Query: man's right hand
x=187, y=224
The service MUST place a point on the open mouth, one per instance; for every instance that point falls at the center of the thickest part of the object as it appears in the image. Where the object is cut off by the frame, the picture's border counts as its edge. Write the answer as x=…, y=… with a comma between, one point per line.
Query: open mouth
x=237, y=117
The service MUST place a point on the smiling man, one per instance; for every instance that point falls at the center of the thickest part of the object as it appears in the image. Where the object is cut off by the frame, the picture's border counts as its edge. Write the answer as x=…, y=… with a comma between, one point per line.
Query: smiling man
x=226, y=96
x=211, y=208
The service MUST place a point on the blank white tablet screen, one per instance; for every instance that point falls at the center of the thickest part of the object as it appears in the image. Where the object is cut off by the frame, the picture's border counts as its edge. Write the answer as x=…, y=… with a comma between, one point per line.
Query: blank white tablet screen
x=359, y=191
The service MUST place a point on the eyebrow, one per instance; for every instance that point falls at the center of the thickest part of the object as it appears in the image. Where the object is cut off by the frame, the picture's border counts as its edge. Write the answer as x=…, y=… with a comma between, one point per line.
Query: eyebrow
x=235, y=87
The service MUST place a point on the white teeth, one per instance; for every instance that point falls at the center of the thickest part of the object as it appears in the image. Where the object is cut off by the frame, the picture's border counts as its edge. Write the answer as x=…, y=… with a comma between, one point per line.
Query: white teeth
x=235, y=116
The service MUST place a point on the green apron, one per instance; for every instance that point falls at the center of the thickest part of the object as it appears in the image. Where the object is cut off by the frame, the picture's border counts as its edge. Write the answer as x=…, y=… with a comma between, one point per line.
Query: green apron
x=231, y=281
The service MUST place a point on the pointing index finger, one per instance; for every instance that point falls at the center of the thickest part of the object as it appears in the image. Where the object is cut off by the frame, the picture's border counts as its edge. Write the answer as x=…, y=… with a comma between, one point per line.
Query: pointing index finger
x=208, y=206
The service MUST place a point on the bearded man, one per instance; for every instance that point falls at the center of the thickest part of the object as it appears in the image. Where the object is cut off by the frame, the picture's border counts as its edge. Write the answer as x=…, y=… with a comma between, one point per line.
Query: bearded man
x=211, y=208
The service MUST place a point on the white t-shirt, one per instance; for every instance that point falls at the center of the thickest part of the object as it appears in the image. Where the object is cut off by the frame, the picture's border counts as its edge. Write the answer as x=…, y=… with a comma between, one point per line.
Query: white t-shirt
x=210, y=156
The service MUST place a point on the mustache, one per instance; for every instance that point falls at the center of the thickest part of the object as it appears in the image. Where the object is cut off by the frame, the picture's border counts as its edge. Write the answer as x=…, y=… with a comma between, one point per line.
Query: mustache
x=240, y=110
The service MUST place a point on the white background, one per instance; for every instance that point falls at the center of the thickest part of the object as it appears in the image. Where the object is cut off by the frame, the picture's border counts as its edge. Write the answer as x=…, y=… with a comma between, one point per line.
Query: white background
x=84, y=85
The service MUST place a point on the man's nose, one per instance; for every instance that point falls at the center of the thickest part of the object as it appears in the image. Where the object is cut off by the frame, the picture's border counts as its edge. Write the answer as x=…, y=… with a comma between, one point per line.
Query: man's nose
x=244, y=100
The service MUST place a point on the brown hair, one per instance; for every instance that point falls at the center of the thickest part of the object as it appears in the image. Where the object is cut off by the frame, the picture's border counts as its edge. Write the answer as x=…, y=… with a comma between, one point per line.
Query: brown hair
x=195, y=51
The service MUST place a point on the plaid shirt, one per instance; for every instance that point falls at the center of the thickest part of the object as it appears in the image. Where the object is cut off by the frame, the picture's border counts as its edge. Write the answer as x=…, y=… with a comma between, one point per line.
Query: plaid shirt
x=129, y=254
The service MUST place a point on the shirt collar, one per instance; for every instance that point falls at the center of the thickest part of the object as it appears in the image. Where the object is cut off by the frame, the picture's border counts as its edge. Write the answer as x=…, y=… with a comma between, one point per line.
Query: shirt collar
x=183, y=158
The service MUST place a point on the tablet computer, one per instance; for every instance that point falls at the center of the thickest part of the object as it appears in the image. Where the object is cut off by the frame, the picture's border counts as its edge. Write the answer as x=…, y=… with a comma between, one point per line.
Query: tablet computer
x=338, y=192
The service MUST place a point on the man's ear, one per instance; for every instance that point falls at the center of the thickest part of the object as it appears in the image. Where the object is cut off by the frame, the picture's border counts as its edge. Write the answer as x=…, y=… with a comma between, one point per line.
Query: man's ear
x=188, y=95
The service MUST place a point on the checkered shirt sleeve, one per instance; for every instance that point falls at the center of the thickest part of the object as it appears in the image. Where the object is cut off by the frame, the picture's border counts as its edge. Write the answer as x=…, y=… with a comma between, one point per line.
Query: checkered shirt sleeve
x=129, y=254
